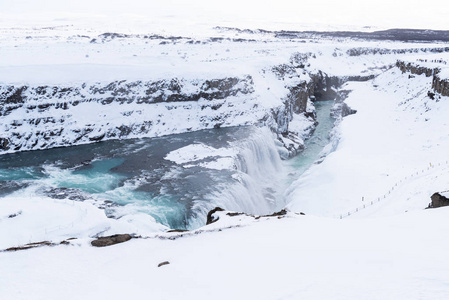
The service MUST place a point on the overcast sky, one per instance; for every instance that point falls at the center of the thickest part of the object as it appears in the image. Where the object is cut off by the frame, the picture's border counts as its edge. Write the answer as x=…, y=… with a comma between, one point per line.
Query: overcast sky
x=430, y=14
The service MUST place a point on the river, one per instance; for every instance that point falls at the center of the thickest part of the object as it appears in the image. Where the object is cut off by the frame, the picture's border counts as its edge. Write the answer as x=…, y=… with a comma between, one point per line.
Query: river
x=176, y=179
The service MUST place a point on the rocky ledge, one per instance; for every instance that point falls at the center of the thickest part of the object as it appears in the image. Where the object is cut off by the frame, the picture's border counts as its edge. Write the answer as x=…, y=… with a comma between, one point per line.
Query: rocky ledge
x=439, y=84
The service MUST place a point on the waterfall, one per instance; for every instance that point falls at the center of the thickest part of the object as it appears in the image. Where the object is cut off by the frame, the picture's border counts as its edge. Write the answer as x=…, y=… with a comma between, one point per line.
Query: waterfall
x=254, y=182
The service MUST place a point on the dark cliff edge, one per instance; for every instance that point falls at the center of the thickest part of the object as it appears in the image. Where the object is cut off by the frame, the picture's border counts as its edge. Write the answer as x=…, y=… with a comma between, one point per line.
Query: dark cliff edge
x=35, y=117
x=47, y=116
x=439, y=85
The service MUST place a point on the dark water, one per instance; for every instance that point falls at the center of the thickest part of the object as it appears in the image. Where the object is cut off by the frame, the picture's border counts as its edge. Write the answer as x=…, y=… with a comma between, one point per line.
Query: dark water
x=129, y=176
x=130, y=173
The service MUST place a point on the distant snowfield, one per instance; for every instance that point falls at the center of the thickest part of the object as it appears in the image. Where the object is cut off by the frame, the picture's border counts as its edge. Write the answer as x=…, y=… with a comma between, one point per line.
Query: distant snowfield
x=196, y=15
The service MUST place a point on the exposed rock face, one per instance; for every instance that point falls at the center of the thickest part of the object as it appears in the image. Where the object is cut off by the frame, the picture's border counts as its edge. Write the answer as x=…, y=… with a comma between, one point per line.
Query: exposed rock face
x=440, y=85
x=210, y=216
x=438, y=200
x=111, y=240
x=4, y=144
x=341, y=109
x=416, y=69
x=325, y=87
x=41, y=117
x=41, y=98
x=47, y=116
x=382, y=51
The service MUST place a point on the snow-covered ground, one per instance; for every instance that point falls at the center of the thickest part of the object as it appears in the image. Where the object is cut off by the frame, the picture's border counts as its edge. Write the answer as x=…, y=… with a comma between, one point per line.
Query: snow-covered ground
x=298, y=257
x=395, y=148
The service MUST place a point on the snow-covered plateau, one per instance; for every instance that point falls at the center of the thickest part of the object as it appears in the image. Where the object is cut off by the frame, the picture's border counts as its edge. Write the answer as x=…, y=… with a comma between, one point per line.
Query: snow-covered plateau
x=90, y=121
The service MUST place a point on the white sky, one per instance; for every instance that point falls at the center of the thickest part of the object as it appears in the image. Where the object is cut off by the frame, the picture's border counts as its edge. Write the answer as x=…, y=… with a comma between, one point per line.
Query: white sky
x=430, y=14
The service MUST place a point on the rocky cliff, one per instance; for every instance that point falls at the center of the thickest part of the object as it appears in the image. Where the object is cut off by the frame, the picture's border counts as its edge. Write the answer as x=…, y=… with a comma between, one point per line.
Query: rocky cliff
x=440, y=84
x=416, y=69
x=46, y=116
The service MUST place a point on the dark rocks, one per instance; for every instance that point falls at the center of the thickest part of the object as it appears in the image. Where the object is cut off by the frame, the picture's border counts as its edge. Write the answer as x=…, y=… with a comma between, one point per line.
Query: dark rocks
x=438, y=200
x=405, y=35
x=13, y=95
x=64, y=193
x=163, y=264
x=440, y=85
x=234, y=214
x=210, y=216
x=97, y=138
x=111, y=240
x=30, y=246
x=4, y=144
x=416, y=69
x=38, y=244
x=15, y=215
x=277, y=214
x=346, y=110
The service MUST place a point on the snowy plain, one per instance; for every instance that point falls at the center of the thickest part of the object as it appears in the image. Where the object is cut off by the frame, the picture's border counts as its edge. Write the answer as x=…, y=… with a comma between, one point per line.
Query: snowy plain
x=396, y=146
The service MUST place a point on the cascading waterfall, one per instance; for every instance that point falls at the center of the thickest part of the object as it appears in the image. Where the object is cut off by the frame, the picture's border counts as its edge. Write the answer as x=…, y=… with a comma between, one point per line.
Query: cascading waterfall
x=254, y=180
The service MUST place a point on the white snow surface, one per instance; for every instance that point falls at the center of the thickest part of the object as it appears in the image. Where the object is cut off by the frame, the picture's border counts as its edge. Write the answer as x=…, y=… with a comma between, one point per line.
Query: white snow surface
x=298, y=257
x=195, y=152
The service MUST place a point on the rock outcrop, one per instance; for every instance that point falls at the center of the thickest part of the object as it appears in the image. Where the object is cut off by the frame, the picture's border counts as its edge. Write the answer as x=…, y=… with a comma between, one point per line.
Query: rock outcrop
x=46, y=116
x=439, y=84
x=438, y=200
x=111, y=240
x=416, y=68
x=210, y=215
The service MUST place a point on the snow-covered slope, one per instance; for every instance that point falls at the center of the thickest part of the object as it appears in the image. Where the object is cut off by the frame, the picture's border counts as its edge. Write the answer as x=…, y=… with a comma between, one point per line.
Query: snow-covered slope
x=394, y=150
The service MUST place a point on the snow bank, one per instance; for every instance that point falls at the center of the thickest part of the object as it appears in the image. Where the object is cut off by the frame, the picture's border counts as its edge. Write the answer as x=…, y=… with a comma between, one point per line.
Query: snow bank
x=291, y=258
x=32, y=219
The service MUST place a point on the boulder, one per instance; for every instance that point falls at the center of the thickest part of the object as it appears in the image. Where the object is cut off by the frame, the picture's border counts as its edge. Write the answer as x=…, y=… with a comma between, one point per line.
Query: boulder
x=438, y=200
x=111, y=240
